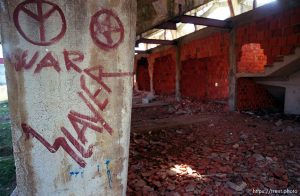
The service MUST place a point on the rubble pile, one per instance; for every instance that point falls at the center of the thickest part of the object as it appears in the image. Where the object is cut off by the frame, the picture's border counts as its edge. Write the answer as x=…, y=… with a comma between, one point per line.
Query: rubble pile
x=235, y=154
x=182, y=107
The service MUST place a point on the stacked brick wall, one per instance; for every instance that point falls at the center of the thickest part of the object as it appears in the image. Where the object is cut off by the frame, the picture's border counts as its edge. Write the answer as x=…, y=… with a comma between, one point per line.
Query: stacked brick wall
x=278, y=34
x=252, y=96
x=216, y=44
x=205, y=79
x=164, y=75
x=217, y=73
x=205, y=67
x=253, y=59
x=194, y=79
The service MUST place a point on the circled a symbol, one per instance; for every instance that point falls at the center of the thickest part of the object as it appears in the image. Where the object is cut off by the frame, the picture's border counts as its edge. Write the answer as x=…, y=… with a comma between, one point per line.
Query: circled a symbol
x=106, y=29
x=42, y=12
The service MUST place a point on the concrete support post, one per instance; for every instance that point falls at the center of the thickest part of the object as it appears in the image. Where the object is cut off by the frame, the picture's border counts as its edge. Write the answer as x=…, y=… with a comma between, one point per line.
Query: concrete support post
x=69, y=73
x=178, y=72
x=151, y=72
x=232, y=71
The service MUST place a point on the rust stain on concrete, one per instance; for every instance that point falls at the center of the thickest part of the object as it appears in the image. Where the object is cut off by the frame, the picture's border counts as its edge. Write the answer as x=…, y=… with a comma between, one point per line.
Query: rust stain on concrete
x=18, y=111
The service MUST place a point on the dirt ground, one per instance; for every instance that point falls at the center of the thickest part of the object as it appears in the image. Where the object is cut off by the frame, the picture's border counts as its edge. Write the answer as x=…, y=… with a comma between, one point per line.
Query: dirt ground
x=217, y=153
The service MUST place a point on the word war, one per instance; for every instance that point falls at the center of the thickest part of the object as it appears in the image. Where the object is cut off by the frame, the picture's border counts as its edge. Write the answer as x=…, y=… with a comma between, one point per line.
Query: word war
x=82, y=122
x=21, y=60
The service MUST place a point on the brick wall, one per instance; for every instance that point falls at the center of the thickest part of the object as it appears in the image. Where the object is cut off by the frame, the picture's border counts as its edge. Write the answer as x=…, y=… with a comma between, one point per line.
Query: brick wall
x=278, y=35
x=253, y=59
x=194, y=79
x=216, y=44
x=164, y=75
x=252, y=96
x=259, y=43
x=142, y=75
x=205, y=68
x=205, y=79
x=217, y=77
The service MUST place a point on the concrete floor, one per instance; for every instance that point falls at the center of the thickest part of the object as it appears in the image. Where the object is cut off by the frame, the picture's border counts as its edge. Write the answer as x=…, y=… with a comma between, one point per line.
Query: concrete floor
x=209, y=152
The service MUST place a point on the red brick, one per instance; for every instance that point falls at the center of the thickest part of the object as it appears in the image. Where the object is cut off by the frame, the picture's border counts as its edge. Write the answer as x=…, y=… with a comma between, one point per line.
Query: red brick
x=292, y=39
x=287, y=50
x=275, y=51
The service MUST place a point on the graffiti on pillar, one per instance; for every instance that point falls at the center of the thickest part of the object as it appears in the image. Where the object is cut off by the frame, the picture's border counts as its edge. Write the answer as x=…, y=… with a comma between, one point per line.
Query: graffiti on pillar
x=70, y=63
x=108, y=173
x=47, y=61
x=106, y=29
x=43, y=23
x=45, y=11
x=83, y=122
x=22, y=60
x=76, y=172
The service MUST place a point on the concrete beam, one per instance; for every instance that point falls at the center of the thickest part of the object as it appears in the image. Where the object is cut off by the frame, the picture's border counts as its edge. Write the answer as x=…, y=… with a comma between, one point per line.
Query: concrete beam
x=231, y=8
x=152, y=13
x=167, y=25
x=141, y=51
x=203, y=21
x=156, y=41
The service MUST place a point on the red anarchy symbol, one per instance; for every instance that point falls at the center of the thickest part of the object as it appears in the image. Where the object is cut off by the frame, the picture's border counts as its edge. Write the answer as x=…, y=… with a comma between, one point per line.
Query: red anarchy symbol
x=106, y=29
x=41, y=17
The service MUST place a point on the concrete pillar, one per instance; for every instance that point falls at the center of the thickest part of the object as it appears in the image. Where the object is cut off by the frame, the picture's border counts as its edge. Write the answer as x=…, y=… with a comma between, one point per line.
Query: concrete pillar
x=69, y=72
x=232, y=71
x=178, y=72
x=151, y=62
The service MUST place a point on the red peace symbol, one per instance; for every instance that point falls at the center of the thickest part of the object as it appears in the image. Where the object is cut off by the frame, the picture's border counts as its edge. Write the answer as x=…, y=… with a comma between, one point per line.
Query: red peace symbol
x=106, y=29
x=40, y=16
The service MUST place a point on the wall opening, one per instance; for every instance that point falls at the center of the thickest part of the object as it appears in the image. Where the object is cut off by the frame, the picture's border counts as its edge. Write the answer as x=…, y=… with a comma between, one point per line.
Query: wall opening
x=142, y=74
x=255, y=97
x=278, y=93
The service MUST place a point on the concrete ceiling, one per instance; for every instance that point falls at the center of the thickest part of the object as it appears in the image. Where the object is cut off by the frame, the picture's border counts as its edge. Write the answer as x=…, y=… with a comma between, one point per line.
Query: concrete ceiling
x=151, y=13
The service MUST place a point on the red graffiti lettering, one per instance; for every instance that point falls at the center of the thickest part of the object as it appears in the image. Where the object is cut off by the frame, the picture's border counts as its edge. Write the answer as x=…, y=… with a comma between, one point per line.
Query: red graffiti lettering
x=100, y=105
x=77, y=120
x=47, y=61
x=97, y=74
x=106, y=29
x=40, y=17
x=85, y=153
x=70, y=63
x=97, y=115
x=81, y=122
x=59, y=142
x=21, y=61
